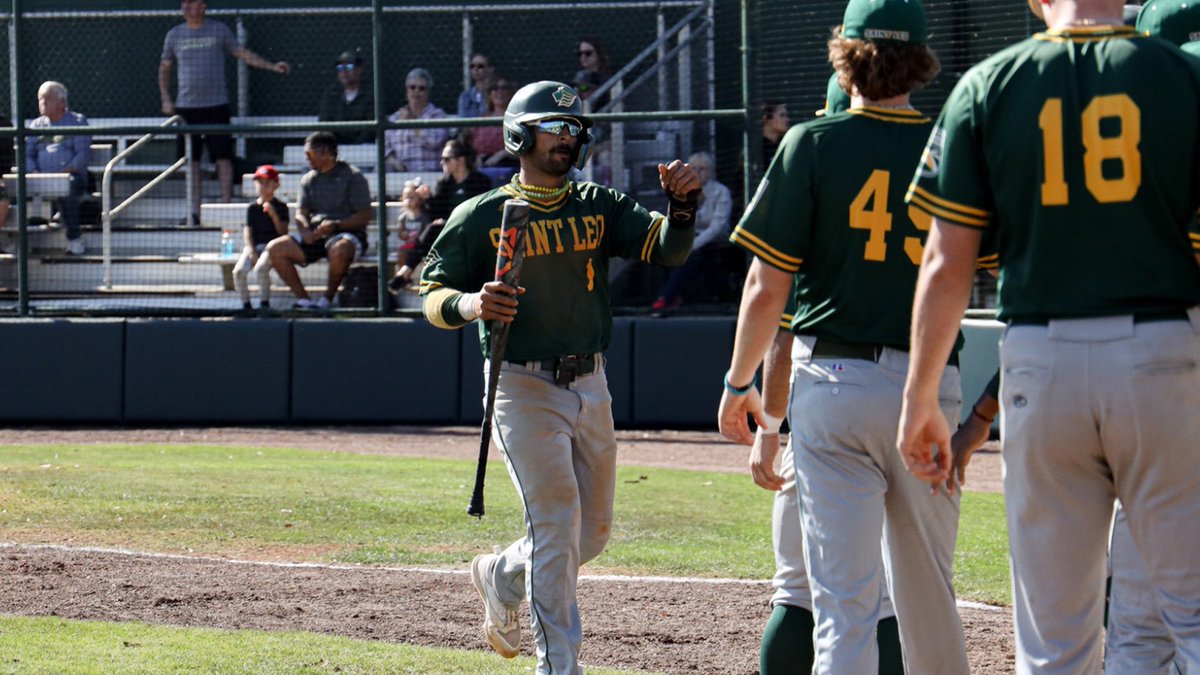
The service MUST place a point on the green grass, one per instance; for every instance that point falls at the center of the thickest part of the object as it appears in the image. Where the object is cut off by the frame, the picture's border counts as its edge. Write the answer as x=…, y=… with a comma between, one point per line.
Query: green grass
x=52, y=645
x=339, y=507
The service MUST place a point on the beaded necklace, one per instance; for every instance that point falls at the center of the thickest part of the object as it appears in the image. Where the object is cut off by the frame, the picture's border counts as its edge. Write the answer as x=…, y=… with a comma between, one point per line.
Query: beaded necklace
x=538, y=192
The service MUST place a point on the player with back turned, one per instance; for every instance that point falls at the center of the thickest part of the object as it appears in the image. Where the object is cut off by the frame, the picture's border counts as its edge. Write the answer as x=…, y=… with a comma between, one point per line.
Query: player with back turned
x=1079, y=148
x=831, y=211
x=553, y=412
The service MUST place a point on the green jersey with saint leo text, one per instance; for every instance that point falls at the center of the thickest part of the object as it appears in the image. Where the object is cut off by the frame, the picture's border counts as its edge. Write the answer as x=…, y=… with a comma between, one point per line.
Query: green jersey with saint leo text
x=1081, y=148
x=831, y=210
x=565, y=308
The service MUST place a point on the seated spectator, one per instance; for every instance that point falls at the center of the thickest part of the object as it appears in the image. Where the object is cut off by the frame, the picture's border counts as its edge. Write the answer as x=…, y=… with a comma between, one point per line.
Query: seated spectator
x=593, y=57
x=712, y=231
x=347, y=100
x=61, y=154
x=460, y=181
x=416, y=149
x=489, y=141
x=473, y=101
x=266, y=219
x=331, y=222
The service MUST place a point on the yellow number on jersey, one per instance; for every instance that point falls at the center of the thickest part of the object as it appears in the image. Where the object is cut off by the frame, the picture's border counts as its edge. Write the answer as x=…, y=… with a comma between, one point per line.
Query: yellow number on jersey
x=912, y=245
x=877, y=220
x=1122, y=148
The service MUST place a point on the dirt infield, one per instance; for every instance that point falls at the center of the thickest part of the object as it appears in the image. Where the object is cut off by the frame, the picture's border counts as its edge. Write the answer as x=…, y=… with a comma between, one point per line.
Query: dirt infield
x=674, y=626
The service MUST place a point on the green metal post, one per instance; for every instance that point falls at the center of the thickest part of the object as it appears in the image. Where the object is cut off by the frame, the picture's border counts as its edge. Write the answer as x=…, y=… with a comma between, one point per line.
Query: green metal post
x=380, y=165
x=22, y=208
x=751, y=150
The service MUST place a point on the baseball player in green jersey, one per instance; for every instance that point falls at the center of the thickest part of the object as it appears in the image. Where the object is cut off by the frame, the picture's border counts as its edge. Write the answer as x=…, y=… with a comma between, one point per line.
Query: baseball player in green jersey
x=553, y=411
x=830, y=212
x=787, y=644
x=1137, y=640
x=1087, y=169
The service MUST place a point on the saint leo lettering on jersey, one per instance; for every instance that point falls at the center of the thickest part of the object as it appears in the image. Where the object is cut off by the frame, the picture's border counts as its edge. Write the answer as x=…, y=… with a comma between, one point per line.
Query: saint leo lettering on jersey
x=560, y=235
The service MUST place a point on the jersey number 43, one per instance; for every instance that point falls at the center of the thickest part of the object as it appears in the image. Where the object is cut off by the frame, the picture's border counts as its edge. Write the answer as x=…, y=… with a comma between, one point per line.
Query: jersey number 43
x=869, y=212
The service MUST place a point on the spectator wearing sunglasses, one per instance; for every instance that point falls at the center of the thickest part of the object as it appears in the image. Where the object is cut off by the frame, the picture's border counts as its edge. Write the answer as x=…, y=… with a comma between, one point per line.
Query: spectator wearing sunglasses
x=593, y=60
x=473, y=101
x=347, y=100
x=489, y=141
x=416, y=149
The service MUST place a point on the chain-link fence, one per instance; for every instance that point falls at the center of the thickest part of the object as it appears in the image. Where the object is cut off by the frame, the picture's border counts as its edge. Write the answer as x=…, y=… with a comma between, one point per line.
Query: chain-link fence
x=665, y=78
x=153, y=225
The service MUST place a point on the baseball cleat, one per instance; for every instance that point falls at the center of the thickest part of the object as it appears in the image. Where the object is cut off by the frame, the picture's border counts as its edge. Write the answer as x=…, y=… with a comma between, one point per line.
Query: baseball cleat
x=499, y=622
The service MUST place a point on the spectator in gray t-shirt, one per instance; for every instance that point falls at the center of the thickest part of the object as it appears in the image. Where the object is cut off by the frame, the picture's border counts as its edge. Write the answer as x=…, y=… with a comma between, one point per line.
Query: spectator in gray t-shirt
x=331, y=219
x=200, y=47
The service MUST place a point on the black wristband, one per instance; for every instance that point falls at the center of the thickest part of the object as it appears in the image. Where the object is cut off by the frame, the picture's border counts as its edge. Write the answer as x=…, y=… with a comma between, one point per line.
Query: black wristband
x=682, y=213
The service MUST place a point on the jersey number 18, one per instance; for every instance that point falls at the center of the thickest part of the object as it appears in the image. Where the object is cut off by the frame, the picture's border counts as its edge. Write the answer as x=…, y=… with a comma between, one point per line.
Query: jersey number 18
x=1122, y=148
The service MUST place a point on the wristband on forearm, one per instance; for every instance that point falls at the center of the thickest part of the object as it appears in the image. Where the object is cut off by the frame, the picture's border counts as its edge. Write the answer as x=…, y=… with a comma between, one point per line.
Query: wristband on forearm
x=770, y=424
x=466, y=307
x=682, y=213
x=738, y=391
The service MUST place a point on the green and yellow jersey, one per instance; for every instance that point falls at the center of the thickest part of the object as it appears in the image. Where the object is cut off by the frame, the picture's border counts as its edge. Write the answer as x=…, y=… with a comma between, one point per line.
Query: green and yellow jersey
x=831, y=210
x=1081, y=148
x=566, y=307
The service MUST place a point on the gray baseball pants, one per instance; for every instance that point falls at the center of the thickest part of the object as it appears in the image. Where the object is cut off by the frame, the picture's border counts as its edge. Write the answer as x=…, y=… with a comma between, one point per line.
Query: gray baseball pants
x=787, y=536
x=1094, y=410
x=561, y=450
x=853, y=485
x=1137, y=641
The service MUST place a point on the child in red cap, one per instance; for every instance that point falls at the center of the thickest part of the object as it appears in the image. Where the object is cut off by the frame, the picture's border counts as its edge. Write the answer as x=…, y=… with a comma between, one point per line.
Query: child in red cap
x=266, y=219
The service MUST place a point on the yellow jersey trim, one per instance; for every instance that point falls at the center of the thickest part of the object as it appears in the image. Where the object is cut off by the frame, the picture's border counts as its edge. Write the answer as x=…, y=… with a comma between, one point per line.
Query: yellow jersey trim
x=651, y=238
x=433, y=304
x=946, y=203
x=901, y=116
x=943, y=214
x=1083, y=34
x=544, y=206
x=761, y=249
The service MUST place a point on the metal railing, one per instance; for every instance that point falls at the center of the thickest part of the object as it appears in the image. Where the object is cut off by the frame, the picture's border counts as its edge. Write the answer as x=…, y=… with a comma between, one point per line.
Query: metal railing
x=108, y=211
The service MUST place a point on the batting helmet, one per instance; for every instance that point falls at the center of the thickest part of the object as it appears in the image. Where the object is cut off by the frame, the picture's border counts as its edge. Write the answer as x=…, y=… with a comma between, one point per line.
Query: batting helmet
x=539, y=101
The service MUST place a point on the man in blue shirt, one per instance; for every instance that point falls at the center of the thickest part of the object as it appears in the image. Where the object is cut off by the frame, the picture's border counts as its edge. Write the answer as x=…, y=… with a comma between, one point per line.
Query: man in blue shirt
x=52, y=153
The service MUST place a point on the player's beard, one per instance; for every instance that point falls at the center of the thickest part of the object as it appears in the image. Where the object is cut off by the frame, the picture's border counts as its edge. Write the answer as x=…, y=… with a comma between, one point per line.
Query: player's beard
x=554, y=162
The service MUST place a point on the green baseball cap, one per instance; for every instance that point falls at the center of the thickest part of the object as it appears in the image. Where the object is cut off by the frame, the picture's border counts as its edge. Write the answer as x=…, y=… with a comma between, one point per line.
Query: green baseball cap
x=1176, y=21
x=836, y=98
x=899, y=20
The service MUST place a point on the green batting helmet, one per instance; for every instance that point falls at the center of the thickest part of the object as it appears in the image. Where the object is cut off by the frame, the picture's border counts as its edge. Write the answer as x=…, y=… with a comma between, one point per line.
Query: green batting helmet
x=540, y=101
x=1176, y=21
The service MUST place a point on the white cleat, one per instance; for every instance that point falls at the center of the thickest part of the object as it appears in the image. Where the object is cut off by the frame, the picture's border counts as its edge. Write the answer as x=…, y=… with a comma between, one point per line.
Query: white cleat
x=500, y=622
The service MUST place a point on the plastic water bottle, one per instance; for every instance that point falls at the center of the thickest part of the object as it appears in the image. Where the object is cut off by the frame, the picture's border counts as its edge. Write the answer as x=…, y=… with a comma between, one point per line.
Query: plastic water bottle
x=227, y=243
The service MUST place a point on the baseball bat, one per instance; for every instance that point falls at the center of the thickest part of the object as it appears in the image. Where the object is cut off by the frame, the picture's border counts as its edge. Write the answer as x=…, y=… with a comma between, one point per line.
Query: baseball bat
x=509, y=256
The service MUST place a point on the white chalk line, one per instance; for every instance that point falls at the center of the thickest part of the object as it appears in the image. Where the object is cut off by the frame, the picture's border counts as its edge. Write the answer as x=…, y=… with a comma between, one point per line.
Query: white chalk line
x=963, y=604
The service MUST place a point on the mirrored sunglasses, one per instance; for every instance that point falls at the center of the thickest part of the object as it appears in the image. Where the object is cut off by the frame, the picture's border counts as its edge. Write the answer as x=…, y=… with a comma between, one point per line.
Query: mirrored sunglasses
x=346, y=67
x=556, y=127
